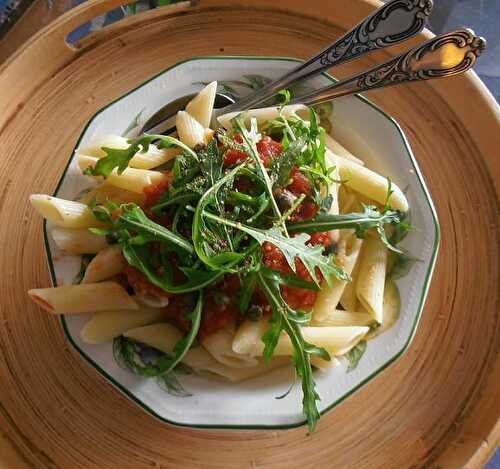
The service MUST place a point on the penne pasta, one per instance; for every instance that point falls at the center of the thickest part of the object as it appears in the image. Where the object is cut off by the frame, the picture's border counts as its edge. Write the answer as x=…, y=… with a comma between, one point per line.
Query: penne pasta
x=371, y=184
x=339, y=150
x=190, y=131
x=164, y=336
x=132, y=179
x=265, y=114
x=371, y=277
x=340, y=318
x=106, y=192
x=64, y=213
x=103, y=327
x=83, y=298
x=348, y=299
x=78, y=240
x=202, y=105
x=219, y=345
x=335, y=340
x=391, y=307
x=142, y=160
x=108, y=263
x=328, y=298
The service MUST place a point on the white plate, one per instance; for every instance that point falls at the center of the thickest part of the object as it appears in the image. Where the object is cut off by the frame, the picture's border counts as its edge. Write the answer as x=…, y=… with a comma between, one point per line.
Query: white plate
x=369, y=133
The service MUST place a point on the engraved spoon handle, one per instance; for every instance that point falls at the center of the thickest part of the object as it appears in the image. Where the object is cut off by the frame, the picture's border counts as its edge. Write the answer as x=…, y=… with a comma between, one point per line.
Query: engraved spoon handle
x=394, y=22
x=442, y=56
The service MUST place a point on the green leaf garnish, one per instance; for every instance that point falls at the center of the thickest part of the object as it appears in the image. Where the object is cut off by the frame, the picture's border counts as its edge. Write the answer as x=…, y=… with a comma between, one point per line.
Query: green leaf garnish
x=354, y=355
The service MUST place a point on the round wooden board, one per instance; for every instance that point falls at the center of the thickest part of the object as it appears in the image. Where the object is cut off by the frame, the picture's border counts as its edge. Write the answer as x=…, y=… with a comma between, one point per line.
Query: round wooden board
x=437, y=406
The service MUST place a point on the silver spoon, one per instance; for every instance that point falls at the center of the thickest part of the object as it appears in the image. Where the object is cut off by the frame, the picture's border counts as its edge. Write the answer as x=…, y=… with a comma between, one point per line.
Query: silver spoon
x=442, y=56
x=394, y=22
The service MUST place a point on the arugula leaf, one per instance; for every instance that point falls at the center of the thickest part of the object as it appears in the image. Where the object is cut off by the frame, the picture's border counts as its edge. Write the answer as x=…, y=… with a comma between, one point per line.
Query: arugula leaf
x=132, y=217
x=212, y=161
x=201, y=232
x=239, y=124
x=139, y=257
x=126, y=350
x=360, y=222
x=289, y=280
x=302, y=350
x=248, y=285
x=120, y=158
x=282, y=165
x=311, y=256
x=354, y=355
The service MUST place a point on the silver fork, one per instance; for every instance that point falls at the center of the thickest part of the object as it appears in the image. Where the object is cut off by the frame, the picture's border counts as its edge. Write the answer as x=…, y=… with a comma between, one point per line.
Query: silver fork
x=394, y=22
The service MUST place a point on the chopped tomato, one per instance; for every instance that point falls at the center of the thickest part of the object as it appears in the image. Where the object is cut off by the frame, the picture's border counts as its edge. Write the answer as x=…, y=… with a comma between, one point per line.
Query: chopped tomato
x=298, y=298
x=300, y=184
x=235, y=156
x=221, y=306
x=295, y=297
x=267, y=148
x=153, y=192
x=177, y=308
x=305, y=211
x=323, y=237
x=140, y=283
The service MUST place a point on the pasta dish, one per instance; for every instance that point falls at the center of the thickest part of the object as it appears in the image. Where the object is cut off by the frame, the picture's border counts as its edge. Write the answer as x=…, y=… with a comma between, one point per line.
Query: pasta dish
x=231, y=251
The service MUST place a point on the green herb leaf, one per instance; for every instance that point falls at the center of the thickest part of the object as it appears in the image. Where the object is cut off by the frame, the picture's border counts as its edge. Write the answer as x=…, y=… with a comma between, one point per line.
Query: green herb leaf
x=361, y=222
x=302, y=351
x=282, y=165
x=126, y=350
x=354, y=355
x=133, y=218
x=311, y=256
x=120, y=158
x=140, y=258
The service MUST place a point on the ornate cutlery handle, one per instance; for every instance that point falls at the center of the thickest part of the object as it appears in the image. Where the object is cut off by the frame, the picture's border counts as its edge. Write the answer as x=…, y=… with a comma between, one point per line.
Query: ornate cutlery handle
x=442, y=56
x=394, y=22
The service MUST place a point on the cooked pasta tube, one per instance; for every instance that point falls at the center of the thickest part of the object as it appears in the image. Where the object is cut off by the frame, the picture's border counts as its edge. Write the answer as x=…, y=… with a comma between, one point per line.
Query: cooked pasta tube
x=202, y=105
x=103, y=327
x=371, y=184
x=83, y=298
x=220, y=346
x=142, y=160
x=64, y=213
x=190, y=131
x=106, y=192
x=391, y=307
x=328, y=297
x=264, y=115
x=78, y=240
x=339, y=150
x=335, y=340
x=108, y=263
x=132, y=179
x=371, y=277
x=340, y=318
x=164, y=336
x=348, y=299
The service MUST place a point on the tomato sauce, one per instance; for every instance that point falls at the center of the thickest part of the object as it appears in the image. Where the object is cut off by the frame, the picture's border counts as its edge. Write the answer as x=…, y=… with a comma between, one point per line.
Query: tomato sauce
x=141, y=285
x=267, y=148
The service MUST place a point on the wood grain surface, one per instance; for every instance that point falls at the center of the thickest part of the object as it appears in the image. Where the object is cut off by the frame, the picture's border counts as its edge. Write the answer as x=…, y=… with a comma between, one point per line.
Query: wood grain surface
x=437, y=406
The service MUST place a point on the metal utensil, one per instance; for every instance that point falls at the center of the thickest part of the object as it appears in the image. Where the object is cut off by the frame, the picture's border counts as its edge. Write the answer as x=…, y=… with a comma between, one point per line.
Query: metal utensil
x=394, y=22
x=442, y=56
